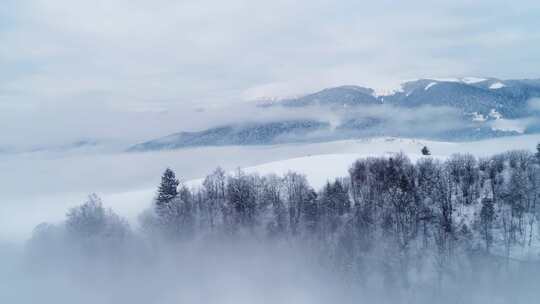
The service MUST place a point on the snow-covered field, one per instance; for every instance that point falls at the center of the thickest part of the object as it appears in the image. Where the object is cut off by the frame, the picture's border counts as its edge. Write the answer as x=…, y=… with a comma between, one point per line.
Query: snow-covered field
x=41, y=186
x=318, y=168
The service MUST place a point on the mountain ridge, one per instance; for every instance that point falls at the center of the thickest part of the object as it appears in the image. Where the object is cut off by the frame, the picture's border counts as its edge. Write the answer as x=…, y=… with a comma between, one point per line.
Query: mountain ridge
x=477, y=107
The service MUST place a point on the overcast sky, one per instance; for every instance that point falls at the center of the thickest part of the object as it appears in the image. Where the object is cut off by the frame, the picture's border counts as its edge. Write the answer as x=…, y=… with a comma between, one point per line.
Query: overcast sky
x=133, y=69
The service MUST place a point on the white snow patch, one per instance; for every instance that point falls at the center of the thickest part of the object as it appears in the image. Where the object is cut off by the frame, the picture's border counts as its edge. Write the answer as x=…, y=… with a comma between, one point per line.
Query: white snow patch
x=447, y=79
x=430, y=85
x=318, y=168
x=497, y=85
x=509, y=125
x=494, y=114
x=467, y=80
x=478, y=117
x=470, y=80
x=380, y=92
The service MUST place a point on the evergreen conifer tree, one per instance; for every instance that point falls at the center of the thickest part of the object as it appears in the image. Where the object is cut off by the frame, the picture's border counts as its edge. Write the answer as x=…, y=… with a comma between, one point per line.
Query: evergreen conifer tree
x=167, y=191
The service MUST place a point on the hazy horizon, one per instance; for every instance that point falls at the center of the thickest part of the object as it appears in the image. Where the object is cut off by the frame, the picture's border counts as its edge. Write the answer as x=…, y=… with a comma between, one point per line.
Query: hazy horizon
x=127, y=70
x=309, y=151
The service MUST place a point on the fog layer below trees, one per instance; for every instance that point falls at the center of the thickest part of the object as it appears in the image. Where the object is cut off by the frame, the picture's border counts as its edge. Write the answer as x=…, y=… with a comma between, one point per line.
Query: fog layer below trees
x=462, y=230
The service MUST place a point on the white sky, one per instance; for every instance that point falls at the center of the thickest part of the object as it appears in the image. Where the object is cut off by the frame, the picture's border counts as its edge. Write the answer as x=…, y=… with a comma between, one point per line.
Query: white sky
x=134, y=69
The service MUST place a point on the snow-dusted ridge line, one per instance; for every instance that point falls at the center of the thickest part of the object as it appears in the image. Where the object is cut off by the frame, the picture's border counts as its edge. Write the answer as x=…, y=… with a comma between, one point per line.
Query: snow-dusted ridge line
x=430, y=85
x=382, y=92
x=497, y=85
x=471, y=80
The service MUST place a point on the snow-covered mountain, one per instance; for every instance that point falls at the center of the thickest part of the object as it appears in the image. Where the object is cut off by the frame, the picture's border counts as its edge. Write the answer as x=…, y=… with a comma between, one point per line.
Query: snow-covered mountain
x=342, y=96
x=443, y=109
x=510, y=97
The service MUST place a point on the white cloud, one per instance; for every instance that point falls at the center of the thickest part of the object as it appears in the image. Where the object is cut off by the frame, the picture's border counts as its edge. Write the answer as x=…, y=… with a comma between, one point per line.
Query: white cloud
x=60, y=56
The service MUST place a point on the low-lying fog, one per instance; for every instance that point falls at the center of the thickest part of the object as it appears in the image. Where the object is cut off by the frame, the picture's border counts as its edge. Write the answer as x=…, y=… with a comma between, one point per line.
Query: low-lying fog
x=57, y=265
x=232, y=273
x=240, y=272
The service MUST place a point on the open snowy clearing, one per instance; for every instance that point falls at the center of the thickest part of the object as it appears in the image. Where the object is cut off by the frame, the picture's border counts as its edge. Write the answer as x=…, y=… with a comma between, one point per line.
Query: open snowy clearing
x=33, y=185
x=317, y=168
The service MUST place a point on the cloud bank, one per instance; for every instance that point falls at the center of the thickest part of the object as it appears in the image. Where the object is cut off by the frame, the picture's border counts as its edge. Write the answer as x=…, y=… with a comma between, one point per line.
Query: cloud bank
x=107, y=64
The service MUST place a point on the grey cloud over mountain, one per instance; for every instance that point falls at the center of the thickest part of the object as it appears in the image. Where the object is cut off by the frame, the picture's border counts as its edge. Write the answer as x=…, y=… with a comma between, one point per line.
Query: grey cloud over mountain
x=66, y=62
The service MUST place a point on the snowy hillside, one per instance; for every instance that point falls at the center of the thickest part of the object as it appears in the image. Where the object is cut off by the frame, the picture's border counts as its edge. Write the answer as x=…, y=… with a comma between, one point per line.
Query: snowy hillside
x=126, y=181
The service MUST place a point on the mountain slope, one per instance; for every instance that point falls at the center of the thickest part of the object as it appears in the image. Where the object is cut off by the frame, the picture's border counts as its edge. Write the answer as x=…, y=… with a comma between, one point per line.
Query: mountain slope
x=244, y=134
x=441, y=109
x=506, y=97
x=338, y=96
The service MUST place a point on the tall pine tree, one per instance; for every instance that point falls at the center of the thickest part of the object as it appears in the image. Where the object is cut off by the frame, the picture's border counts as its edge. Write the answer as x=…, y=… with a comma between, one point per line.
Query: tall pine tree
x=167, y=191
x=537, y=154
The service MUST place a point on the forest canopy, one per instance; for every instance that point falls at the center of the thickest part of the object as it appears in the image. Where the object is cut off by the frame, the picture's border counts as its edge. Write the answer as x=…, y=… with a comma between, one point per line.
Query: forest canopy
x=392, y=229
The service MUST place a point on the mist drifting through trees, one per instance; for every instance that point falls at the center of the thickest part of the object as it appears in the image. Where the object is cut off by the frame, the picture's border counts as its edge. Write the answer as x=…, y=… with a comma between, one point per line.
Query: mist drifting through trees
x=463, y=230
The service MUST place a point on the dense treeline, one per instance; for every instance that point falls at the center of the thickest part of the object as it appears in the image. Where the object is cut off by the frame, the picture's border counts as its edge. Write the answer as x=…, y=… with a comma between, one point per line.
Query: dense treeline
x=391, y=221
